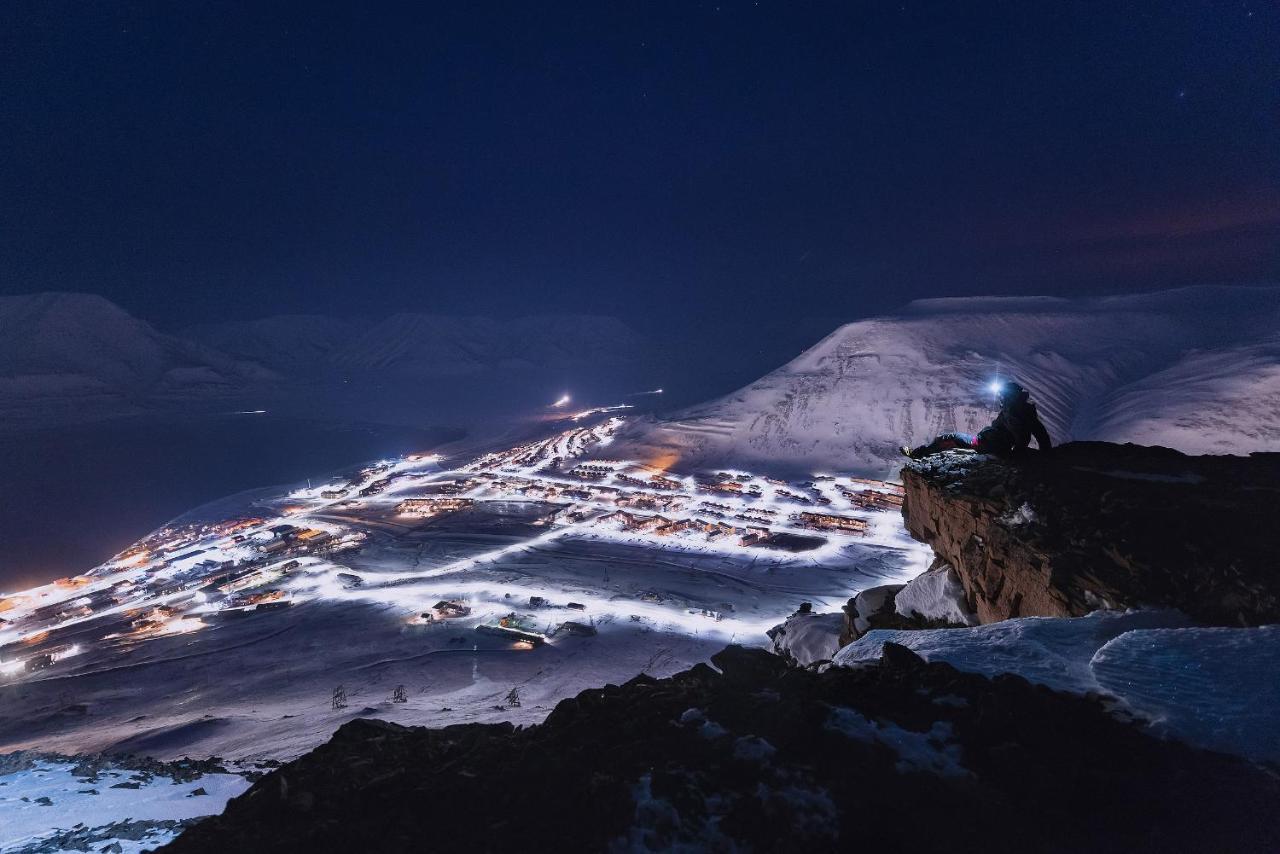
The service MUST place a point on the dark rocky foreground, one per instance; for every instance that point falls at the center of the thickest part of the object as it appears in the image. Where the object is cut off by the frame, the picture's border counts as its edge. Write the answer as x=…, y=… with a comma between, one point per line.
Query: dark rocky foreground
x=896, y=756
x=1095, y=525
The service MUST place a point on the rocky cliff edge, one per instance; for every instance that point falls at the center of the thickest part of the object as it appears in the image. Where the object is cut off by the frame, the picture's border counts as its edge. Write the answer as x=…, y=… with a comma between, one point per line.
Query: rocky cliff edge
x=1095, y=525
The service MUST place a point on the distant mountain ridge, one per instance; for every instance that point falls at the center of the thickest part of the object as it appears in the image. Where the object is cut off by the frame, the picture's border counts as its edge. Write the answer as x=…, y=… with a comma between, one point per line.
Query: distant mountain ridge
x=426, y=344
x=67, y=355
x=1197, y=369
x=291, y=341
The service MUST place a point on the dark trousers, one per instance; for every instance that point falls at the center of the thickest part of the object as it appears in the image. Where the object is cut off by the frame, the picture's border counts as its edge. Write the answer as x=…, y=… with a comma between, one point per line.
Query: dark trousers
x=946, y=442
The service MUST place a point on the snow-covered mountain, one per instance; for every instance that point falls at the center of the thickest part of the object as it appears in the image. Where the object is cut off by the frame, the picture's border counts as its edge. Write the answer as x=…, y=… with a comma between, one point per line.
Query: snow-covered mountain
x=66, y=354
x=1197, y=369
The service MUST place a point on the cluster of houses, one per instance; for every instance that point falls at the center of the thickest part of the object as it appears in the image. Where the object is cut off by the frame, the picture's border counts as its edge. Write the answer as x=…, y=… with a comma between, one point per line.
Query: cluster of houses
x=662, y=526
x=874, y=499
x=830, y=522
x=428, y=507
x=652, y=503
x=292, y=538
x=590, y=471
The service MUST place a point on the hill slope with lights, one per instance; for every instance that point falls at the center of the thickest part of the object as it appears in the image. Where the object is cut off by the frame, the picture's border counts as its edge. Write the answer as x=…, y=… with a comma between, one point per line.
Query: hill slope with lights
x=1156, y=369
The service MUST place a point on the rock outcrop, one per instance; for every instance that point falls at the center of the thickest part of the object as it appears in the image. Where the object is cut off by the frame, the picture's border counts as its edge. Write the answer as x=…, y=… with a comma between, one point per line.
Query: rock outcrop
x=1095, y=525
x=807, y=639
x=878, y=608
x=900, y=755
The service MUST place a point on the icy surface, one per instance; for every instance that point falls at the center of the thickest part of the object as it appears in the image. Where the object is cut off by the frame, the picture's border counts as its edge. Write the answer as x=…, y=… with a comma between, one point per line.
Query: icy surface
x=26, y=818
x=1217, y=688
x=1150, y=369
x=1052, y=651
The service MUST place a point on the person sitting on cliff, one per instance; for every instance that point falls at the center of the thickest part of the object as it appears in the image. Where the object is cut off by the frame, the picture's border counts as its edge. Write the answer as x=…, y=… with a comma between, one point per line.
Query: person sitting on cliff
x=1011, y=433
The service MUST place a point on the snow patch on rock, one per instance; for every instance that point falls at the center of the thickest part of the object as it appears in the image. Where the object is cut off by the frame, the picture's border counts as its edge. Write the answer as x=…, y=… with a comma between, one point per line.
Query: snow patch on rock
x=930, y=752
x=873, y=601
x=1023, y=515
x=936, y=594
x=807, y=638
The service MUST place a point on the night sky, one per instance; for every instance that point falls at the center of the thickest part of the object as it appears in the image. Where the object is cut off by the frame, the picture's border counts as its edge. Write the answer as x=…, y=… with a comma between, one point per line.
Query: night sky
x=668, y=163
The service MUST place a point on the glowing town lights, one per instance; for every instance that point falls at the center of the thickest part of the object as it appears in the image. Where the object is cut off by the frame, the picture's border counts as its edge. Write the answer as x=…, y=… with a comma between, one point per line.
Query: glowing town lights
x=586, y=413
x=267, y=563
x=74, y=649
x=182, y=627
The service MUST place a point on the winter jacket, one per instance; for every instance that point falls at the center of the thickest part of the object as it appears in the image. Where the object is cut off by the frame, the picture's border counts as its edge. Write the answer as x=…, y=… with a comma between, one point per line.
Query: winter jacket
x=1014, y=428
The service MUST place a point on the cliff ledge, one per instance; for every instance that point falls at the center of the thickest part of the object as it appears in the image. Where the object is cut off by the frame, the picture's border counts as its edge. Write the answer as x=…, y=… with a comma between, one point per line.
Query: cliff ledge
x=1094, y=525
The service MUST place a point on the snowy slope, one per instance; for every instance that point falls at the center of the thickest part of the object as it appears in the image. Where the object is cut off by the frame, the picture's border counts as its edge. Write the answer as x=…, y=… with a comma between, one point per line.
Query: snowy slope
x=1197, y=369
x=81, y=353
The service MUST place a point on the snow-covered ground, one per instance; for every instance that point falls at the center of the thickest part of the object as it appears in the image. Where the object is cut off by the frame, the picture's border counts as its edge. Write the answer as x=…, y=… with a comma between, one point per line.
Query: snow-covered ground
x=227, y=635
x=53, y=804
x=1196, y=369
x=1218, y=688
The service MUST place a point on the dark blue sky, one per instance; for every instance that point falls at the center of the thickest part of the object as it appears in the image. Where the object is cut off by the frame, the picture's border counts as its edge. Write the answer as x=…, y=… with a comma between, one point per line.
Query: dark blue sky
x=668, y=162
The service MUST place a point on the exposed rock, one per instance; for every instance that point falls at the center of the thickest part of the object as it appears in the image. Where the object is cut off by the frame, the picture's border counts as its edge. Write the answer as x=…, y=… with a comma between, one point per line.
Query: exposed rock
x=876, y=608
x=860, y=615
x=761, y=756
x=1095, y=525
